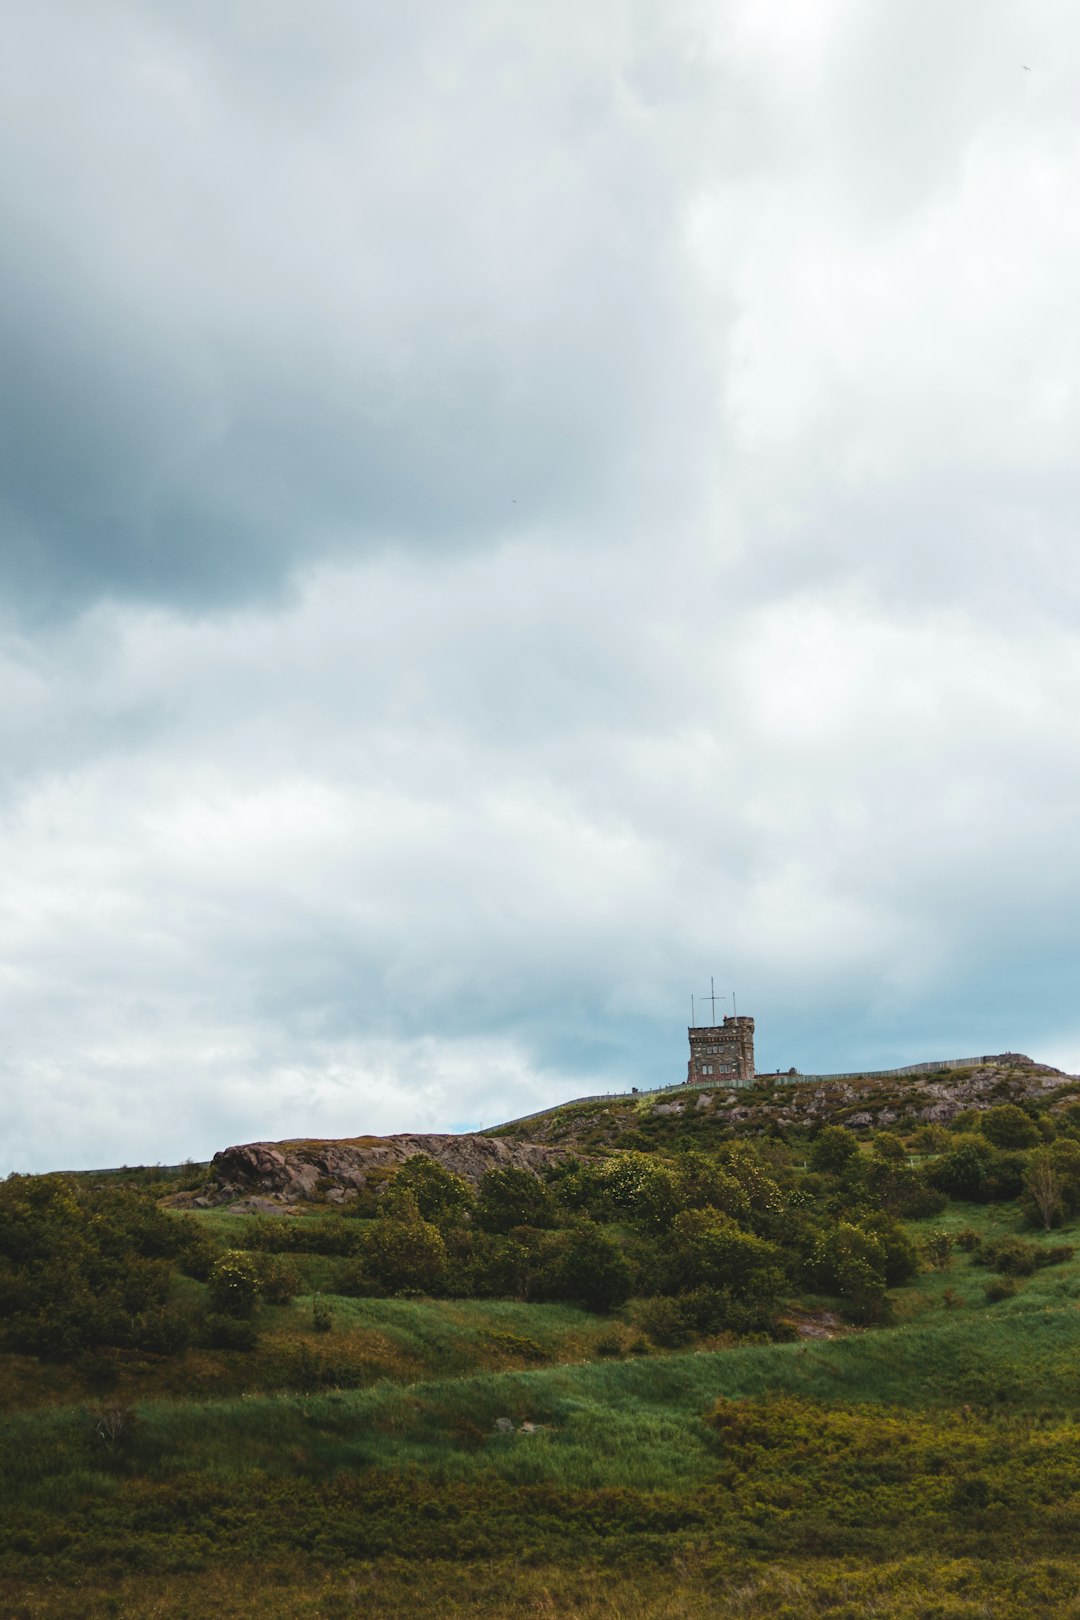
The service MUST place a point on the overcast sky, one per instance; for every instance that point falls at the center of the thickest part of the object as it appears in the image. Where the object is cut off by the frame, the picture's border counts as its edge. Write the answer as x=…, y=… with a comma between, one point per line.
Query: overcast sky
x=507, y=512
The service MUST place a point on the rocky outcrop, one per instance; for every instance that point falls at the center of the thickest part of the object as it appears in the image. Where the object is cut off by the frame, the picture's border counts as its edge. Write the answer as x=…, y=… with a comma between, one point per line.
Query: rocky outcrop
x=274, y=1174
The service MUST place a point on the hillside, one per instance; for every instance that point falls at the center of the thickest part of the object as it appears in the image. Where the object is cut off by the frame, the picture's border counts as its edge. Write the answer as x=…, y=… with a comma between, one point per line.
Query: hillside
x=775, y=1107
x=785, y=1351
x=276, y=1176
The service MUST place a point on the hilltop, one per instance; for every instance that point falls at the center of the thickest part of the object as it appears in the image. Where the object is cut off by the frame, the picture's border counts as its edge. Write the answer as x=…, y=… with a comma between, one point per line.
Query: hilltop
x=776, y=1106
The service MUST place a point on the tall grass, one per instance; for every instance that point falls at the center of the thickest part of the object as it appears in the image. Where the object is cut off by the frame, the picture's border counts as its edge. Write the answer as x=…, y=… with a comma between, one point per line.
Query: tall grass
x=635, y=1423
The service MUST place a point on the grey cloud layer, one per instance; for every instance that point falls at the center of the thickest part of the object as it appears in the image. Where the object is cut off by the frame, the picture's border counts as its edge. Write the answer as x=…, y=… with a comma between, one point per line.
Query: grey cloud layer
x=282, y=290
x=506, y=513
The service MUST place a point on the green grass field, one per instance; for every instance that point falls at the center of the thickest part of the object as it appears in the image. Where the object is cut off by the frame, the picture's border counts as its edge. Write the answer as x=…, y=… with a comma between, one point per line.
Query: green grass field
x=917, y=1468
x=423, y=1457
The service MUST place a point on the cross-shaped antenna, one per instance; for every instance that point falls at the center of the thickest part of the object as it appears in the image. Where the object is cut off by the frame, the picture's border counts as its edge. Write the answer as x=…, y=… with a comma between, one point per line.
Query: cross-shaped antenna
x=712, y=1000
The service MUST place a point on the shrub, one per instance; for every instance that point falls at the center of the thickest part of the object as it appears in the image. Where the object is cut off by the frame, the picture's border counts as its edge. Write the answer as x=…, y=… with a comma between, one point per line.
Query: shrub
x=631, y=1185
x=322, y=1316
x=592, y=1270
x=113, y=1427
x=970, y=1493
x=226, y=1332
x=404, y=1257
x=516, y=1344
x=962, y=1173
x=744, y=1162
x=920, y=1201
x=1045, y=1187
x=82, y=1266
x=511, y=1197
x=702, y=1182
x=664, y=1321
x=832, y=1150
x=1010, y=1255
x=708, y=1250
x=234, y=1283
x=498, y=1269
x=850, y=1261
x=277, y=1278
x=441, y=1196
x=304, y=1235
x=1007, y=1126
x=937, y=1248
x=999, y=1288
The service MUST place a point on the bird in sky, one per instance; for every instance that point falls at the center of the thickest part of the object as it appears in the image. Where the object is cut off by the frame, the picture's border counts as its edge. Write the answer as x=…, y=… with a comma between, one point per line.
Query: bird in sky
x=1025, y=67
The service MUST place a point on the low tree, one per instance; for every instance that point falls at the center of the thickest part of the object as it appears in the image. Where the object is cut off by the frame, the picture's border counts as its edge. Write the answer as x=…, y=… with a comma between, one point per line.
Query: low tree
x=404, y=1256
x=708, y=1249
x=510, y=1197
x=1007, y=1126
x=234, y=1283
x=832, y=1150
x=744, y=1162
x=441, y=1196
x=84, y=1266
x=1045, y=1188
x=938, y=1248
x=592, y=1269
x=963, y=1173
x=850, y=1261
x=703, y=1182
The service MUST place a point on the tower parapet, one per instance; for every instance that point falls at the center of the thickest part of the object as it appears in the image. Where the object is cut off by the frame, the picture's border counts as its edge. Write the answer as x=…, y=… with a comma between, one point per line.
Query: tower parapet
x=721, y=1054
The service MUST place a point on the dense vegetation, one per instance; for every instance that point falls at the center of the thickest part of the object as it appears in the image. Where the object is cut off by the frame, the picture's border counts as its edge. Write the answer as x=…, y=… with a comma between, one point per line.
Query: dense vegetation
x=820, y=1371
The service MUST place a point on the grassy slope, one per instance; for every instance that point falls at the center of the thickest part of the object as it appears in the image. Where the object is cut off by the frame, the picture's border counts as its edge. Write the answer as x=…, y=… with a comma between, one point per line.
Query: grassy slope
x=841, y=1493
x=923, y=1470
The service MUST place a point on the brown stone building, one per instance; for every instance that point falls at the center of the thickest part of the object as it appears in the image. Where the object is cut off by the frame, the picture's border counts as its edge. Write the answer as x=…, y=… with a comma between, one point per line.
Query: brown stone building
x=722, y=1054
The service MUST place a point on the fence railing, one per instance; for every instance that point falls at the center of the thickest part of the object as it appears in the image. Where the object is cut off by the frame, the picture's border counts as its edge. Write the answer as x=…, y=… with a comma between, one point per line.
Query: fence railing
x=908, y=1068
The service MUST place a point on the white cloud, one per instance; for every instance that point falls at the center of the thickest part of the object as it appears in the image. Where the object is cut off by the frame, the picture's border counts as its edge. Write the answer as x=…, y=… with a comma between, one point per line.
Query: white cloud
x=525, y=511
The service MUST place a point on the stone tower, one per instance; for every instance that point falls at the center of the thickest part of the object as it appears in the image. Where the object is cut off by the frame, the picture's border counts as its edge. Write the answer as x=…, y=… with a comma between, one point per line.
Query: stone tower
x=722, y=1054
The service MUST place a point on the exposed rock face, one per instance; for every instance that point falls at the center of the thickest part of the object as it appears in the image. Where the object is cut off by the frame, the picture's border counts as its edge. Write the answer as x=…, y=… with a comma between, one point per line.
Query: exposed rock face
x=270, y=1174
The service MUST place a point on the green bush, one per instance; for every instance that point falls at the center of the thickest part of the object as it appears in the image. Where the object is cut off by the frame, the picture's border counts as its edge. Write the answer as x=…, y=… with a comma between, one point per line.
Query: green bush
x=706, y=1249
x=1009, y=1127
x=224, y=1331
x=439, y=1196
x=586, y=1266
x=851, y=1261
x=277, y=1279
x=970, y=1493
x=937, y=1247
x=404, y=1256
x=665, y=1322
x=83, y=1266
x=832, y=1150
x=234, y=1283
x=307, y=1234
x=510, y=1197
x=1010, y=1255
x=703, y=1182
